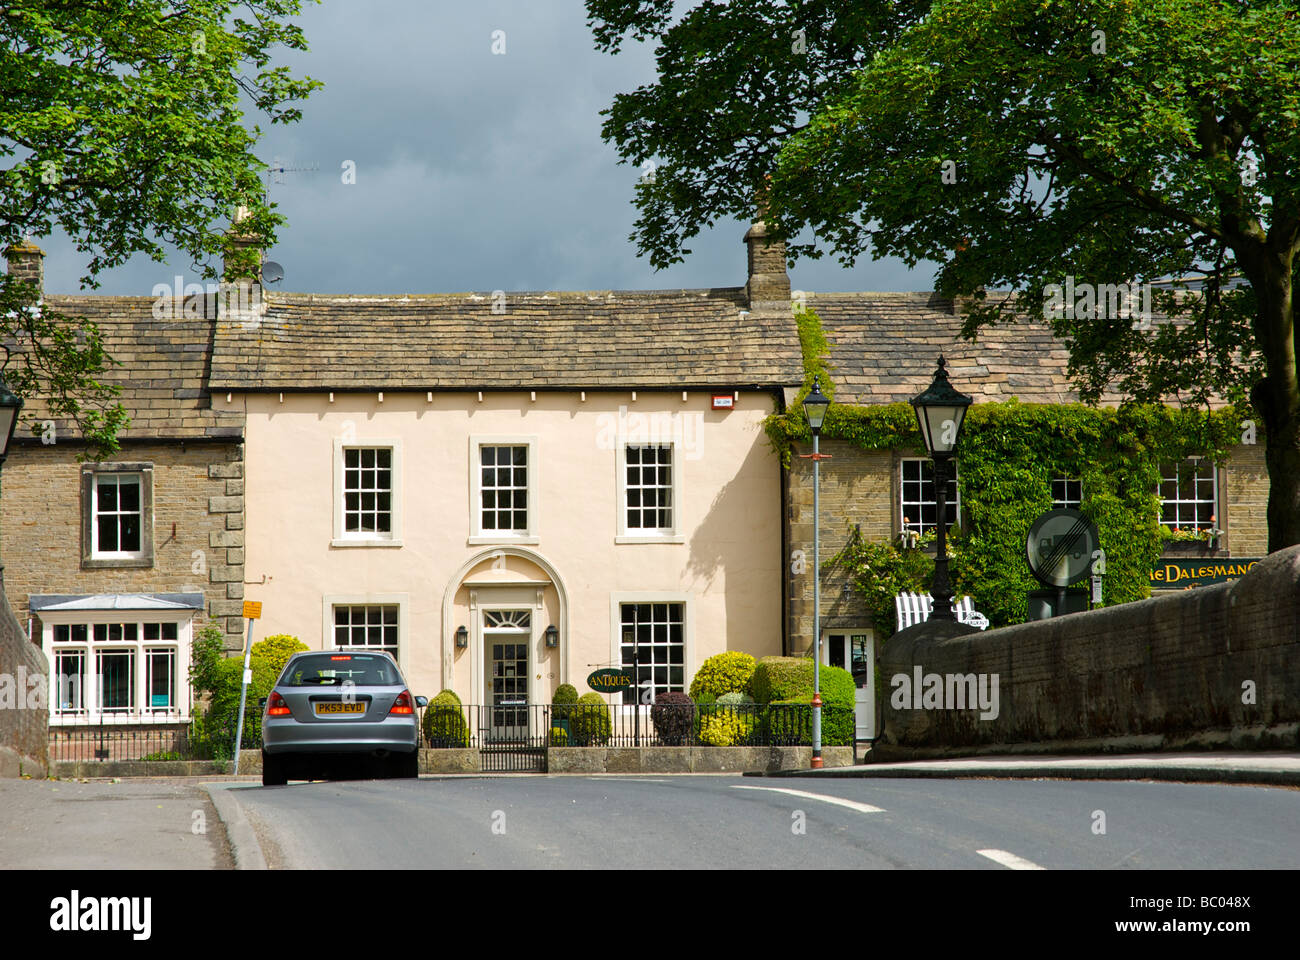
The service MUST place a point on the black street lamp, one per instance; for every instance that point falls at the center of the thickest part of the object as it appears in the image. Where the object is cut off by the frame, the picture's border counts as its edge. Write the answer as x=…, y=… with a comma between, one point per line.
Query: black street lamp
x=940, y=412
x=815, y=406
x=10, y=405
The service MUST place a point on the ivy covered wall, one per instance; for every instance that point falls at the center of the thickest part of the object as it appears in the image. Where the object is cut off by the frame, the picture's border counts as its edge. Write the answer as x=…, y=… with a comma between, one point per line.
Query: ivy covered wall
x=1008, y=456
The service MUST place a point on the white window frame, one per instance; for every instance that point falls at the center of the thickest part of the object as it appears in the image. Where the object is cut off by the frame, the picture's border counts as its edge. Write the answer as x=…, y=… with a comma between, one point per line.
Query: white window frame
x=141, y=712
x=1214, y=481
x=342, y=537
x=628, y=534
x=916, y=525
x=687, y=600
x=400, y=600
x=477, y=535
x=1066, y=504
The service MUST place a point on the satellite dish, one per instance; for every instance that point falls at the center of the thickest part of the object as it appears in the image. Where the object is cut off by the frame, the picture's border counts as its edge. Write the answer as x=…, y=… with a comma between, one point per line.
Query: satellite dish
x=272, y=272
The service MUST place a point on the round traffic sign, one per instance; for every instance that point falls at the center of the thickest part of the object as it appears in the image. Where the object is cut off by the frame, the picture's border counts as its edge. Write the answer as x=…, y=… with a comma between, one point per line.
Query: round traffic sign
x=1060, y=546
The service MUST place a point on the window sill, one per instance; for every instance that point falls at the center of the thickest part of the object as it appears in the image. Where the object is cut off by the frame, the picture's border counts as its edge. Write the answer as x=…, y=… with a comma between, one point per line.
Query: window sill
x=377, y=542
x=652, y=538
x=108, y=720
x=503, y=541
x=108, y=563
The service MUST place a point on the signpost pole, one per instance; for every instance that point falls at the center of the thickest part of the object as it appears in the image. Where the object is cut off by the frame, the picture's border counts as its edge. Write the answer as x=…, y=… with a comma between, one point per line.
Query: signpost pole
x=251, y=611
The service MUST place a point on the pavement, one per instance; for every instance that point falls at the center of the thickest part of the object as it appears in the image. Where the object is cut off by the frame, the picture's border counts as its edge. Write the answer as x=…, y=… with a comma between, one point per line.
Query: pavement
x=1279, y=769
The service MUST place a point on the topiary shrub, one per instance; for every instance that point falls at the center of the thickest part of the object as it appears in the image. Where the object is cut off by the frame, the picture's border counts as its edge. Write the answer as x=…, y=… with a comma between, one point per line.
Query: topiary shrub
x=565, y=696
x=589, y=723
x=728, y=728
x=735, y=700
x=444, y=722
x=277, y=649
x=673, y=716
x=790, y=679
x=728, y=672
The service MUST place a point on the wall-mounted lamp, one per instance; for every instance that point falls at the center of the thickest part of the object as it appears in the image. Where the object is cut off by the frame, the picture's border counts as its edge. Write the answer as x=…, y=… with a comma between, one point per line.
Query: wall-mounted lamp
x=552, y=636
x=462, y=636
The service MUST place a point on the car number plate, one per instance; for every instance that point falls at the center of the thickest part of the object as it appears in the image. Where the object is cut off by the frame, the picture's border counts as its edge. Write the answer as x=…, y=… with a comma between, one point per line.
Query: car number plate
x=323, y=708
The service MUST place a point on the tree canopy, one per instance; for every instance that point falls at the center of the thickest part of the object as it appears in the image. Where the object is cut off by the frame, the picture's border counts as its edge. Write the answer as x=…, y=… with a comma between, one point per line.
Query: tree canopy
x=1036, y=146
x=121, y=124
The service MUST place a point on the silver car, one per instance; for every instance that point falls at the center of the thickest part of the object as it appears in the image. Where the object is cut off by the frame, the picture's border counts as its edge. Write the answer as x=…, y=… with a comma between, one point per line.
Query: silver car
x=333, y=706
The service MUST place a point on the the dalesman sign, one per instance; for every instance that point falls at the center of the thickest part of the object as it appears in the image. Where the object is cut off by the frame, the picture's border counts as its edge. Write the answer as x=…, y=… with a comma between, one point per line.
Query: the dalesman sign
x=1197, y=573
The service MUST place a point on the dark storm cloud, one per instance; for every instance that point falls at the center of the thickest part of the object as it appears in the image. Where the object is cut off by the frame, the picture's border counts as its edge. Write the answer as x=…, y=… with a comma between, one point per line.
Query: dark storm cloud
x=474, y=171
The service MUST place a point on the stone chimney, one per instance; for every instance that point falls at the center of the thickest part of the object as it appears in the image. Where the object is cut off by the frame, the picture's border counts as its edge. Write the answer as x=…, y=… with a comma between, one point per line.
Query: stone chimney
x=768, y=281
x=25, y=263
x=234, y=268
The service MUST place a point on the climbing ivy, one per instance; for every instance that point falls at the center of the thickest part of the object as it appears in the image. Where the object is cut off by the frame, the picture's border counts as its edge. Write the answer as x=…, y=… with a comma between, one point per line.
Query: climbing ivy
x=1008, y=456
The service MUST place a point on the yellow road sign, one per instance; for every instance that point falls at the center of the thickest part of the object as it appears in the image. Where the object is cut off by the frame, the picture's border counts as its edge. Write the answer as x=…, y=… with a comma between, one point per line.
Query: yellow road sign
x=252, y=609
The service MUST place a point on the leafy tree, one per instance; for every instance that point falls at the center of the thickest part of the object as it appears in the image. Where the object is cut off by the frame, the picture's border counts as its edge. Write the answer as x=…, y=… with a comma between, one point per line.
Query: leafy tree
x=1021, y=143
x=735, y=82
x=120, y=123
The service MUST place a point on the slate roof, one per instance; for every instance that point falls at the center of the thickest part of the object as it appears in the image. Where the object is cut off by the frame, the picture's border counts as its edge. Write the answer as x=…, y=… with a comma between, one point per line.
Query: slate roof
x=115, y=601
x=162, y=372
x=885, y=348
x=649, y=339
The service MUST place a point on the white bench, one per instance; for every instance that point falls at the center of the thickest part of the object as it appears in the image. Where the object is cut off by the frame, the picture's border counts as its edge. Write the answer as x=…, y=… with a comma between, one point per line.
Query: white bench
x=914, y=608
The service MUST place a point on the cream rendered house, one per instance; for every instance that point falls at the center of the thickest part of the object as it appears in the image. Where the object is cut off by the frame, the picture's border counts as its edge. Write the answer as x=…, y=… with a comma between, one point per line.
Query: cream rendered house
x=510, y=491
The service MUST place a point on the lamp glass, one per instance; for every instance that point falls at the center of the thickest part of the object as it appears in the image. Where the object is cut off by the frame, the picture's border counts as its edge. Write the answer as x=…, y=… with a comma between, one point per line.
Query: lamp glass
x=8, y=414
x=462, y=637
x=815, y=405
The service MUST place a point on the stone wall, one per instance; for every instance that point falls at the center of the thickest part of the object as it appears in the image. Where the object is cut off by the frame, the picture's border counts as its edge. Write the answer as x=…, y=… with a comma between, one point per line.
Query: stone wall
x=857, y=489
x=24, y=702
x=198, y=527
x=1246, y=502
x=1210, y=667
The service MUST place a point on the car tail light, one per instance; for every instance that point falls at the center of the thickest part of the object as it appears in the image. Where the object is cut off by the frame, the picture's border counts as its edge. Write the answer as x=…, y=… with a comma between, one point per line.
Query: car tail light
x=276, y=707
x=403, y=703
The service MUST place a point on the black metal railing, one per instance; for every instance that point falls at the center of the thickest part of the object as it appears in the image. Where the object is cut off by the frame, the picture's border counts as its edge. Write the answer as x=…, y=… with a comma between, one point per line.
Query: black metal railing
x=534, y=726
x=103, y=739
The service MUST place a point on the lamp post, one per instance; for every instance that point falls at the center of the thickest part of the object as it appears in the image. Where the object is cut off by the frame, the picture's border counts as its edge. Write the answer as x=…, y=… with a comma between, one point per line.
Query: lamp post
x=815, y=406
x=940, y=412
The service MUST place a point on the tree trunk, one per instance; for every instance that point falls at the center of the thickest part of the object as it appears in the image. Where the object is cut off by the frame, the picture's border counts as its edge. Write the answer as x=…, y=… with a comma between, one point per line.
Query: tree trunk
x=1277, y=398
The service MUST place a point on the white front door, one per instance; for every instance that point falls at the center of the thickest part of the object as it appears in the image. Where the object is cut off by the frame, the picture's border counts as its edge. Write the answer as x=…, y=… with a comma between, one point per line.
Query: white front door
x=855, y=650
x=507, y=635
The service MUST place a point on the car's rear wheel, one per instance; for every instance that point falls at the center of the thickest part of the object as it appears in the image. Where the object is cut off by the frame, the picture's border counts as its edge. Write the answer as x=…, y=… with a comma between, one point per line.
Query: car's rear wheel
x=274, y=770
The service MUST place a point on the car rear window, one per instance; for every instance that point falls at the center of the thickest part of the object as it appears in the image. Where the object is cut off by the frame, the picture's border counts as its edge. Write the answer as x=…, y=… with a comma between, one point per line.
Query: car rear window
x=334, y=669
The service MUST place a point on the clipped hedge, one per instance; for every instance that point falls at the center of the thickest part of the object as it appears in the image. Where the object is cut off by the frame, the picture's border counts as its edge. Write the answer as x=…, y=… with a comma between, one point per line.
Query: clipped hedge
x=444, y=722
x=589, y=723
x=790, y=680
x=723, y=673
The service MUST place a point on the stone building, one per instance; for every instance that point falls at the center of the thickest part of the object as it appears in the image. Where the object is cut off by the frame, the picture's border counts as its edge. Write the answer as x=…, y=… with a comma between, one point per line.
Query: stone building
x=113, y=564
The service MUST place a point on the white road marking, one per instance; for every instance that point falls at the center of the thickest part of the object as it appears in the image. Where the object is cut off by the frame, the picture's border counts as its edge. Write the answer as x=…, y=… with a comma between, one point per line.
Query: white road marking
x=838, y=801
x=1009, y=860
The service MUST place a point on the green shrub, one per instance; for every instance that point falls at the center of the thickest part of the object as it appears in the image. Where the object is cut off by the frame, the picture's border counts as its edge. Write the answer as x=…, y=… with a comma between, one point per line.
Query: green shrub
x=559, y=737
x=735, y=699
x=673, y=716
x=565, y=693
x=728, y=728
x=162, y=755
x=589, y=723
x=728, y=672
x=444, y=722
x=790, y=680
x=207, y=650
x=223, y=713
x=277, y=649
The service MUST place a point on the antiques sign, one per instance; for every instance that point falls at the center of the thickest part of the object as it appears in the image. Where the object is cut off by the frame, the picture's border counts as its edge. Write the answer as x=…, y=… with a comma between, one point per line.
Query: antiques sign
x=1183, y=574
